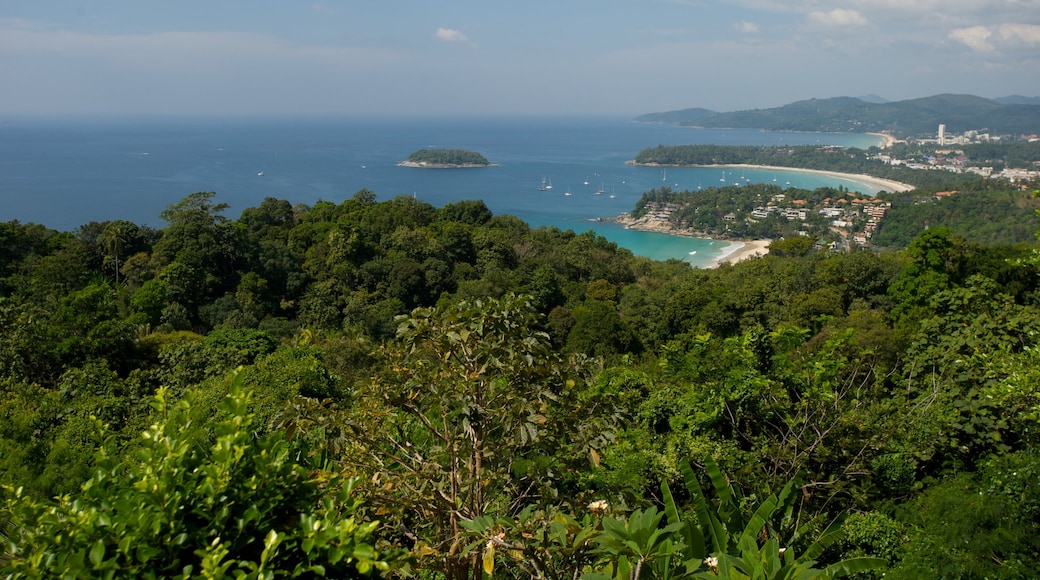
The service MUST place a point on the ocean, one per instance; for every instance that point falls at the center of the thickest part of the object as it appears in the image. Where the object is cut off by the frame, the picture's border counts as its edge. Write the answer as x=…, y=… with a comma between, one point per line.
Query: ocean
x=64, y=173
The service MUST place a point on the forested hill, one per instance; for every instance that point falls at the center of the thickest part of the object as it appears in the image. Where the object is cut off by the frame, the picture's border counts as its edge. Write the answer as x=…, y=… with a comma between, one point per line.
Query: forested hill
x=447, y=158
x=389, y=388
x=849, y=114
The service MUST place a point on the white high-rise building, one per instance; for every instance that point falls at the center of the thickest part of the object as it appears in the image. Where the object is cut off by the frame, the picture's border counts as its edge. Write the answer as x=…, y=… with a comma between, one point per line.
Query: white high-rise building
x=942, y=134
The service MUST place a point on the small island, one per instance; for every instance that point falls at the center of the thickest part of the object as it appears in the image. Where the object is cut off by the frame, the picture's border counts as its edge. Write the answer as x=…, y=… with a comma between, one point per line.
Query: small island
x=446, y=158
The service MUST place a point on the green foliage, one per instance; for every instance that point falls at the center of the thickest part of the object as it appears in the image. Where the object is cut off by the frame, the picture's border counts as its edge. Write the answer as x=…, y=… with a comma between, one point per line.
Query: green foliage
x=880, y=378
x=744, y=553
x=240, y=507
x=872, y=534
x=473, y=413
x=989, y=215
x=448, y=157
x=981, y=525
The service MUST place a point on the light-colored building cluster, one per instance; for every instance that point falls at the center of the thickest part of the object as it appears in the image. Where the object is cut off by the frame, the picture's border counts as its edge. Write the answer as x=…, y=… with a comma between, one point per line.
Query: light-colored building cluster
x=956, y=162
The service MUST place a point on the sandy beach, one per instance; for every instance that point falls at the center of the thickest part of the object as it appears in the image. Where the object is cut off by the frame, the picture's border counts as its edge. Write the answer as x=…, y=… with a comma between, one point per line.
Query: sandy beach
x=889, y=140
x=742, y=251
x=885, y=184
x=736, y=251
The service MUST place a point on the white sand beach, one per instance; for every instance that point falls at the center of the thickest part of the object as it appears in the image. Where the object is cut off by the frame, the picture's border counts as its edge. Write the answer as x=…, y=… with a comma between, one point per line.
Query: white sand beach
x=885, y=184
x=889, y=140
x=741, y=251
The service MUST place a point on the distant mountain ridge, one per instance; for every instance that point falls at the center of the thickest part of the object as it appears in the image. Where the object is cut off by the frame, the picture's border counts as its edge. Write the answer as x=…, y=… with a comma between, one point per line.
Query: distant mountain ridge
x=850, y=114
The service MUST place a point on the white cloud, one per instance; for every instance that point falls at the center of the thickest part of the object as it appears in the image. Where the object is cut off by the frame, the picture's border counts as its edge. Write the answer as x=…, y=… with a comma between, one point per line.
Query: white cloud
x=990, y=38
x=745, y=26
x=975, y=37
x=838, y=17
x=450, y=35
x=1024, y=33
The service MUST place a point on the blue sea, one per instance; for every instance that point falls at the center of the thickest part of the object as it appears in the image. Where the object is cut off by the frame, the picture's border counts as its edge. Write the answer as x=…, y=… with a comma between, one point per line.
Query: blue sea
x=64, y=173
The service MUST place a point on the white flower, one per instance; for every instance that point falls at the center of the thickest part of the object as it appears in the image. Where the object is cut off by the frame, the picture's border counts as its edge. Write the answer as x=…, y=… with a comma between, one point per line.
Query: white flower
x=712, y=563
x=599, y=507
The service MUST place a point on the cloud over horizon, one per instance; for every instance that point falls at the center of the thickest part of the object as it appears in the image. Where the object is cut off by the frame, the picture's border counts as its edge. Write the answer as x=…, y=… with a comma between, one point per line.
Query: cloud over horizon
x=746, y=27
x=838, y=17
x=450, y=35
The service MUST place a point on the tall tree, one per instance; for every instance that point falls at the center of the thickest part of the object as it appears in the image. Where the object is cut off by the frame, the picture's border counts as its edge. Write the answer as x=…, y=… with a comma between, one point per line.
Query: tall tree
x=474, y=415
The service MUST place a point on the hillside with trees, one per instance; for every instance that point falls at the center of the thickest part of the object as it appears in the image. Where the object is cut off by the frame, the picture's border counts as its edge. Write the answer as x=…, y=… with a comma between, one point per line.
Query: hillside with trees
x=374, y=388
x=430, y=157
x=907, y=118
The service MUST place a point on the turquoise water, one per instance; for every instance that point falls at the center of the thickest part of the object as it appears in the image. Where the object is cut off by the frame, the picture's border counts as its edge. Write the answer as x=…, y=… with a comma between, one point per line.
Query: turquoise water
x=65, y=173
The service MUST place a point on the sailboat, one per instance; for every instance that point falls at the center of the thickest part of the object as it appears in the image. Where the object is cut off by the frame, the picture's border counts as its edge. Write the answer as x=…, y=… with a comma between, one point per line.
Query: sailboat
x=612, y=196
x=600, y=190
x=543, y=186
x=723, y=178
x=568, y=192
x=549, y=186
x=664, y=175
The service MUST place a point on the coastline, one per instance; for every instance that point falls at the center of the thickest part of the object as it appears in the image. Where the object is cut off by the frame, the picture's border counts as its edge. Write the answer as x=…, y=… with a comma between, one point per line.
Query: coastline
x=736, y=251
x=741, y=251
x=889, y=185
x=888, y=140
x=425, y=165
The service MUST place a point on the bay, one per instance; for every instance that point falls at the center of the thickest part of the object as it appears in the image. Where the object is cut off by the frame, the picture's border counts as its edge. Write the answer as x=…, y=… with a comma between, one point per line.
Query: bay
x=64, y=173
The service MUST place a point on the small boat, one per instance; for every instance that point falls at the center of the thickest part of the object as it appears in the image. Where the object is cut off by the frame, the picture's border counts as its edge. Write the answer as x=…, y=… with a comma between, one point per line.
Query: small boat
x=723, y=178
x=586, y=181
x=600, y=190
x=549, y=185
x=260, y=174
x=543, y=187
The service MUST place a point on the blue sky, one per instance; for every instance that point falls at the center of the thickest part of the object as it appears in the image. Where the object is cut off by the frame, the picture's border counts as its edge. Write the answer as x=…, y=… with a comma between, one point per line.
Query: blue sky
x=429, y=57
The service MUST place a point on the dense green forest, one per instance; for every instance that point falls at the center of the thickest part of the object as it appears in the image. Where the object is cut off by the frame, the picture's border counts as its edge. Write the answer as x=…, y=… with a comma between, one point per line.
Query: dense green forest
x=448, y=157
x=909, y=118
x=372, y=388
x=991, y=216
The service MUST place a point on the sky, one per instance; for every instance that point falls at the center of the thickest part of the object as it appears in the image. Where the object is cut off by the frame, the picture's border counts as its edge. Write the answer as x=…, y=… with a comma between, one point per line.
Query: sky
x=494, y=57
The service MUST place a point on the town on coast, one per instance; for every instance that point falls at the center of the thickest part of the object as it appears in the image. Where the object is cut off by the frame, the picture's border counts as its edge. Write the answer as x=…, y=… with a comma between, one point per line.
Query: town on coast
x=741, y=249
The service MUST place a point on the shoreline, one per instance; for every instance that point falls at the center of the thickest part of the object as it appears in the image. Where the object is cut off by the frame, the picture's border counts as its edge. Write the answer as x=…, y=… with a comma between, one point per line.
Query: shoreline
x=425, y=165
x=744, y=250
x=890, y=185
x=737, y=251
x=882, y=184
x=888, y=140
